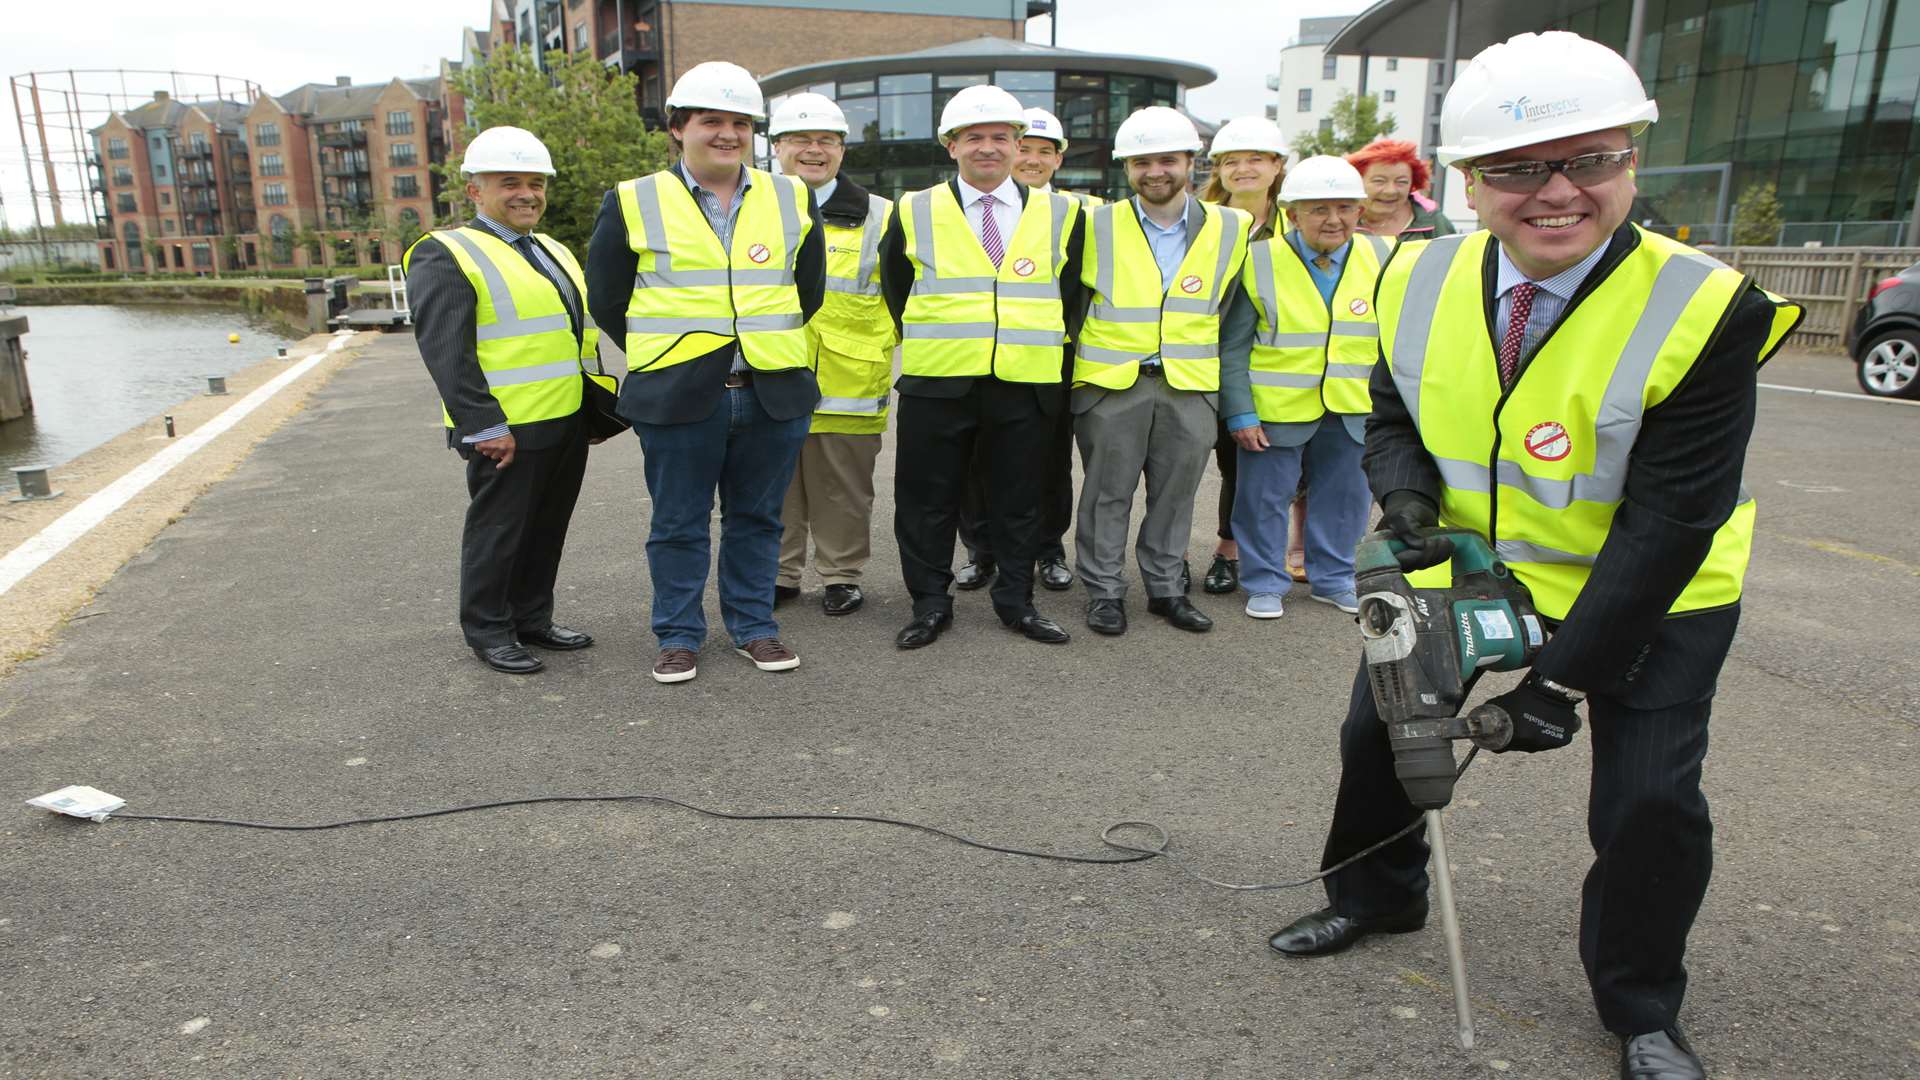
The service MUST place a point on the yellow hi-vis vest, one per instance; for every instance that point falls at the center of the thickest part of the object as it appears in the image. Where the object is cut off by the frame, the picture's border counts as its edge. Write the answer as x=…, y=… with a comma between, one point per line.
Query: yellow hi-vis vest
x=1134, y=315
x=522, y=335
x=1311, y=357
x=691, y=297
x=963, y=317
x=851, y=338
x=1541, y=469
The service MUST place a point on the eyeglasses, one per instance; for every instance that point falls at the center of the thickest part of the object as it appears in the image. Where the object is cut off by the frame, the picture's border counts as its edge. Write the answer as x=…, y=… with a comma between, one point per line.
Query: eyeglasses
x=1586, y=170
x=824, y=142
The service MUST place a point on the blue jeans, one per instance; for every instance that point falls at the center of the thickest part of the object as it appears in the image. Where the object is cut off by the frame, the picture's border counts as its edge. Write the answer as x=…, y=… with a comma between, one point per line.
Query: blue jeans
x=748, y=457
x=1337, y=502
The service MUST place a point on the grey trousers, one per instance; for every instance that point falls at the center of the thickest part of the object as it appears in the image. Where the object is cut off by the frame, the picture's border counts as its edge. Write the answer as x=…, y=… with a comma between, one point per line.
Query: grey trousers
x=1147, y=428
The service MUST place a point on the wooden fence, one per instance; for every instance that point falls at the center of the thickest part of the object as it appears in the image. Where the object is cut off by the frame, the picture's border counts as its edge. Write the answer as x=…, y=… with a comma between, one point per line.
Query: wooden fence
x=1831, y=282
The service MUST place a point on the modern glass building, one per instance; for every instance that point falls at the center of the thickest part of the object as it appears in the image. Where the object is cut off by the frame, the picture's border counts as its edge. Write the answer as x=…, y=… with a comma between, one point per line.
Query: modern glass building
x=1816, y=96
x=893, y=104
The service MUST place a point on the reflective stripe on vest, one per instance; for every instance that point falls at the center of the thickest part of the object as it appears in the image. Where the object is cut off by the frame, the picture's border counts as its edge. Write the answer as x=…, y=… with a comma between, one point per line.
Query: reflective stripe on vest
x=1542, y=468
x=965, y=318
x=686, y=284
x=852, y=336
x=1311, y=357
x=523, y=337
x=1135, y=314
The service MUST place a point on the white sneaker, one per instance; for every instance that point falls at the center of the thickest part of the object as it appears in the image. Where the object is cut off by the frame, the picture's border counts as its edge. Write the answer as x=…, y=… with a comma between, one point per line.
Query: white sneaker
x=1265, y=605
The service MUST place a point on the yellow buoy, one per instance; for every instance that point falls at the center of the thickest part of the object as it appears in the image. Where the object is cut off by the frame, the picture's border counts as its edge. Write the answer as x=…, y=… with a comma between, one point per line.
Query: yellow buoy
x=233, y=339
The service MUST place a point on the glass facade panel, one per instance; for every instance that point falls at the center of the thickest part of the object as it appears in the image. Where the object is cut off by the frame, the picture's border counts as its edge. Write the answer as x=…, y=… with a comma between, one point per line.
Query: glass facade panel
x=1903, y=17
x=905, y=84
x=955, y=82
x=906, y=116
x=855, y=89
x=1716, y=116
x=863, y=119
x=1682, y=35
x=1035, y=99
x=1024, y=80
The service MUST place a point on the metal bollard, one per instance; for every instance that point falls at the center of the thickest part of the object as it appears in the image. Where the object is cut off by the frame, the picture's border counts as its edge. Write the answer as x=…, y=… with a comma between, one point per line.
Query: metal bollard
x=216, y=385
x=169, y=421
x=32, y=481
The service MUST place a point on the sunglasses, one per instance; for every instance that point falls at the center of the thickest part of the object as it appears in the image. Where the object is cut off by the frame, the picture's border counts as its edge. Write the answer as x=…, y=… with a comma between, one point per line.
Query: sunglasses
x=1586, y=170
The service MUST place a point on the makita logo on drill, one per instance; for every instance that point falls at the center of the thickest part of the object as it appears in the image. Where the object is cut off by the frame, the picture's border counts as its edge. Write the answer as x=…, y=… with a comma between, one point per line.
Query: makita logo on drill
x=1525, y=108
x=1466, y=635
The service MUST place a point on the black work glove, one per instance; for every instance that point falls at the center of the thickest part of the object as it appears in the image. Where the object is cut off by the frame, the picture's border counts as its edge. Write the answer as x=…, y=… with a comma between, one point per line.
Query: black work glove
x=1404, y=513
x=1540, y=718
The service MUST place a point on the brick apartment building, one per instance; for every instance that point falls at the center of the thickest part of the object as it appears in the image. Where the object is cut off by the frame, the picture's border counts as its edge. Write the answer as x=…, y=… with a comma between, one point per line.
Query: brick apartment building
x=221, y=186
x=659, y=39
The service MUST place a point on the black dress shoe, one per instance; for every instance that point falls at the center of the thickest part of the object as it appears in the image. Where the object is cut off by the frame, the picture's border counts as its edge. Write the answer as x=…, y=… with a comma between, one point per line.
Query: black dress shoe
x=843, y=599
x=1223, y=576
x=1107, y=616
x=1054, y=575
x=924, y=630
x=1180, y=611
x=974, y=575
x=1040, y=628
x=557, y=638
x=512, y=658
x=1659, y=1055
x=1323, y=933
x=784, y=593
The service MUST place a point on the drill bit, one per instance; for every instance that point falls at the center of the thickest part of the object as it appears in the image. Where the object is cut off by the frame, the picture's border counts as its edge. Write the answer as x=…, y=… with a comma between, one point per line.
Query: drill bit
x=1450, y=929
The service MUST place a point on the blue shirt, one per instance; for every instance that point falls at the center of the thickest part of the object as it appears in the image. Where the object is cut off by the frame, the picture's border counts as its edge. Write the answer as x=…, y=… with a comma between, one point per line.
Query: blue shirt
x=722, y=218
x=1169, y=246
x=1325, y=281
x=1548, y=302
x=541, y=262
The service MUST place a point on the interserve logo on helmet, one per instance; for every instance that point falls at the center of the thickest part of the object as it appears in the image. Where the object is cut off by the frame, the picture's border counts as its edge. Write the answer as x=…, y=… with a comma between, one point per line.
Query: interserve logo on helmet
x=1524, y=108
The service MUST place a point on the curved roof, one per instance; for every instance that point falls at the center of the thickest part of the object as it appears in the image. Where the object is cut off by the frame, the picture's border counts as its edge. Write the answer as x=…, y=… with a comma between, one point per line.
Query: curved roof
x=1419, y=27
x=986, y=53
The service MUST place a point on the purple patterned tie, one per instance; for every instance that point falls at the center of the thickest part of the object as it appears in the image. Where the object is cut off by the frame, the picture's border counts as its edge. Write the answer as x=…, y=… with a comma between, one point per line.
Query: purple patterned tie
x=1516, y=331
x=990, y=231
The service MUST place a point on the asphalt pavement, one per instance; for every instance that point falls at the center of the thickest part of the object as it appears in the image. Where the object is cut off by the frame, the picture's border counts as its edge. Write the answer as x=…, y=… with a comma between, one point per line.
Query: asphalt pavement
x=287, y=652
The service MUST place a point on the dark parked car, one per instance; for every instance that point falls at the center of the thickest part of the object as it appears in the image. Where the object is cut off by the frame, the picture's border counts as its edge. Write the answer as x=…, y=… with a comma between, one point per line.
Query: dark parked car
x=1885, y=337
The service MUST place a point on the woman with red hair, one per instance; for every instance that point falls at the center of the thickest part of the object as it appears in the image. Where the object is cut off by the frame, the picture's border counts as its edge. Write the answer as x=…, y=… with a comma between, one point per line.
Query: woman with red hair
x=1393, y=171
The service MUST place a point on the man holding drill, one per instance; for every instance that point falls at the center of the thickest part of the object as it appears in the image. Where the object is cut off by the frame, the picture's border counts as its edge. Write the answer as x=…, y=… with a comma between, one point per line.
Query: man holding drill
x=1580, y=392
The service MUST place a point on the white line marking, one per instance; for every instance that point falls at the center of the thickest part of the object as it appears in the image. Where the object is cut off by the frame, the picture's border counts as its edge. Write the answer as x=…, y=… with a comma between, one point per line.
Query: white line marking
x=1836, y=393
x=75, y=523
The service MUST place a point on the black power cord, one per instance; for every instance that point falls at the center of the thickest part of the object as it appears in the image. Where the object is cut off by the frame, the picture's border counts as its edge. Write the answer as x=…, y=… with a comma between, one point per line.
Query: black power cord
x=1162, y=850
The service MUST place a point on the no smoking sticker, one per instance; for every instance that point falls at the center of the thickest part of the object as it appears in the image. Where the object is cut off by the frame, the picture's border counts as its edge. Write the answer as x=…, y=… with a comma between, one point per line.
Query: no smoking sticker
x=758, y=253
x=1358, y=307
x=1191, y=284
x=1023, y=267
x=1549, y=441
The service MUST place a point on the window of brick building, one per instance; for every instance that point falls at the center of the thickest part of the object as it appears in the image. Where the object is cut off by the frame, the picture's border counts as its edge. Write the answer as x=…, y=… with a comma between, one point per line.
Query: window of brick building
x=266, y=134
x=116, y=148
x=400, y=122
x=406, y=186
x=1305, y=103
x=274, y=194
x=271, y=165
x=166, y=226
x=403, y=154
x=122, y=176
x=166, y=198
x=124, y=203
x=1393, y=63
x=1387, y=95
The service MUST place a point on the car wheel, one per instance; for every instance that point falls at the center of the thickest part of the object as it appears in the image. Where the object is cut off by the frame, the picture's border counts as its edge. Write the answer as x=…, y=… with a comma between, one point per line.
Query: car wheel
x=1890, y=367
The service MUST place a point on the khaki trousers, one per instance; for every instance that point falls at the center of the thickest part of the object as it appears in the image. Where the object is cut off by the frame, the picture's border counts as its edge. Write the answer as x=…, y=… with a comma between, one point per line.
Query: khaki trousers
x=832, y=497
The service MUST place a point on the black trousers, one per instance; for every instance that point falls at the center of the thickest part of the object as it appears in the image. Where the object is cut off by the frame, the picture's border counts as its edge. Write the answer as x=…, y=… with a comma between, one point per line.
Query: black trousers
x=937, y=440
x=1226, y=454
x=1056, y=498
x=1646, y=820
x=515, y=531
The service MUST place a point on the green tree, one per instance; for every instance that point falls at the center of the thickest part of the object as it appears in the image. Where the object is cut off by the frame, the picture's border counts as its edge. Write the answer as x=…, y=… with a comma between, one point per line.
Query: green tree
x=1356, y=122
x=582, y=111
x=1756, y=215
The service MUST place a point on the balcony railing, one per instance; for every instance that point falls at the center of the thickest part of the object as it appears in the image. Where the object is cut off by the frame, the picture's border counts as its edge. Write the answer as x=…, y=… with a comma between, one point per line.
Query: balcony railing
x=194, y=152
x=639, y=48
x=350, y=200
x=345, y=166
x=343, y=138
x=195, y=179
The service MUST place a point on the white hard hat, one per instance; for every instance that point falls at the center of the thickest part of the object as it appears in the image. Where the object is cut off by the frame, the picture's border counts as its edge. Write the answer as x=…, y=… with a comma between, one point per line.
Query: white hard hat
x=981, y=105
x=1248, y=133
x=807, y=112
x=1155, y=129
x=1044, y=125
x=1535, y=88
x=506, y=150
x=720, y=86
x=1322, y=177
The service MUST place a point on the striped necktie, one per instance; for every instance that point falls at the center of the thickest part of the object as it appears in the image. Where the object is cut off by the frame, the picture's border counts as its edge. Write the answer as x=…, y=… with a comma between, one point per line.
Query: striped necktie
x=990, y=231
x=1516, y=331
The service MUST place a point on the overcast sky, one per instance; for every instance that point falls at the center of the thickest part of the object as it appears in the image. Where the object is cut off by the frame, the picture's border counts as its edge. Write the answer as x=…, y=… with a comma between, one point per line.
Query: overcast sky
x=281, y=45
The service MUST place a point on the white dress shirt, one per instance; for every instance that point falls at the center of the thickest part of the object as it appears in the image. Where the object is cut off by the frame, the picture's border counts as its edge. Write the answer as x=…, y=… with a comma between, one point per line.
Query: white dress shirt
x=1006, y=210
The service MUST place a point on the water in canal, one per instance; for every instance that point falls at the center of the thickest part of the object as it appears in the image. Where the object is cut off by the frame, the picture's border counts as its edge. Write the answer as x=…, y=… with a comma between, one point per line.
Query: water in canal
x=98, y=370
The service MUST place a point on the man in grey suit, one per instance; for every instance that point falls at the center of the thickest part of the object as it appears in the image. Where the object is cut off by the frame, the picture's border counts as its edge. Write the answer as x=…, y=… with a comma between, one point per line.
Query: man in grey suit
x=1147, y=368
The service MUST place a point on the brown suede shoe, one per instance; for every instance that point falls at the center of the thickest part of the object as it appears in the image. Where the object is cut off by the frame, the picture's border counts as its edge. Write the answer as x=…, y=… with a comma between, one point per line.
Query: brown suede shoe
x=675, y=665
x=768, y=654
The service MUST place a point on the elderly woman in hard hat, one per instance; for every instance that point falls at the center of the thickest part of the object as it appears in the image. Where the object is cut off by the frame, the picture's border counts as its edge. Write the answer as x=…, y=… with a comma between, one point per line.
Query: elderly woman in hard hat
x=1394, y=172
x=1249, y=156
x=1295, y=361
x=1580, y=392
